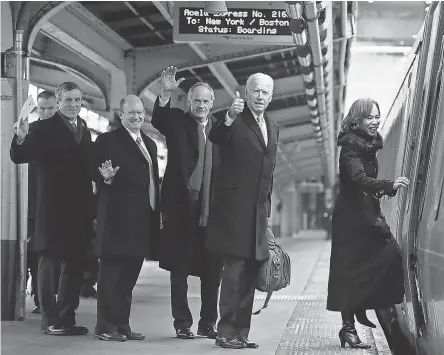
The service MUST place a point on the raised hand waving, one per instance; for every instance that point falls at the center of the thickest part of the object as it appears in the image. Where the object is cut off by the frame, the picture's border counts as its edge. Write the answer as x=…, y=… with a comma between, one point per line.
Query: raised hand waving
x=168, y=80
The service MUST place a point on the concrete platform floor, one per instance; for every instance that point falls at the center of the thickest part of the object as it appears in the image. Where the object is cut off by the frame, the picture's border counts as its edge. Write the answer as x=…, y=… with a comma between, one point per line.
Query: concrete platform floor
x=295, y=321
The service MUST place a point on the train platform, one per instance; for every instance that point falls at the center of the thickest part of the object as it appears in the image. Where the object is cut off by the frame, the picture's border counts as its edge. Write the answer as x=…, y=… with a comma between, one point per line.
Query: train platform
x=295, y=321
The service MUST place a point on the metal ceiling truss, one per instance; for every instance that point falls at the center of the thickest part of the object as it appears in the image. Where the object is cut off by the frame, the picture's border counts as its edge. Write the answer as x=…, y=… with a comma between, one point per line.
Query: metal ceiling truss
x=310, y=27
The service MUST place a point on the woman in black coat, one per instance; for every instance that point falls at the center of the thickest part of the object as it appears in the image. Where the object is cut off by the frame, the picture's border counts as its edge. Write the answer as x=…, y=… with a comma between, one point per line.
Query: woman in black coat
x=365, y=265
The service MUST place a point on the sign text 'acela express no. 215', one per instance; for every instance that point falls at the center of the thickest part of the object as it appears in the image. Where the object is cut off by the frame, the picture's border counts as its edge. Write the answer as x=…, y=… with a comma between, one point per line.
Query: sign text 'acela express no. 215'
x=264, y=25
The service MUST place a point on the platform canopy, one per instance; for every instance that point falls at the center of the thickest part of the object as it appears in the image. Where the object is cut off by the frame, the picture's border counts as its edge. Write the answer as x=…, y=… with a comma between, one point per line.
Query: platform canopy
x=119, y=47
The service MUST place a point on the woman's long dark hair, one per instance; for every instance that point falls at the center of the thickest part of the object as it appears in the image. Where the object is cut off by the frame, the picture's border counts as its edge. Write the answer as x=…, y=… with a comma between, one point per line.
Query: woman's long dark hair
x=359, y=110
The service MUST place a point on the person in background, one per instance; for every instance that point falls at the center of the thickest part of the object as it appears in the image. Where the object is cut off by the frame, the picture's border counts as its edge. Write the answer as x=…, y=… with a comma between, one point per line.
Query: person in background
x=60, y=148
x=186, y=198
x=365, y=265
x=46, y=108
x=237, y=227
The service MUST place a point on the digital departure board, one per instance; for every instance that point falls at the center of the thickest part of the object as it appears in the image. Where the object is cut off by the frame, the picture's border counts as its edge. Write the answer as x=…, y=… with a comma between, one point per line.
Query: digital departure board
x=240, y=25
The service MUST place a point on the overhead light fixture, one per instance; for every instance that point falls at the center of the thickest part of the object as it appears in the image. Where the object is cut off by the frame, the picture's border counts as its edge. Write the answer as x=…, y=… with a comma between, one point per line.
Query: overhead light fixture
x=215, y=7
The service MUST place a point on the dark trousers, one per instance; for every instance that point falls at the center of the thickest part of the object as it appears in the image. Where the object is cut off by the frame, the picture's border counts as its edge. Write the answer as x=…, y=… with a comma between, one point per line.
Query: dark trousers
x=117, y=278
x=237, y=296
x=69, y=272
x=32, y=260
x=209, y=288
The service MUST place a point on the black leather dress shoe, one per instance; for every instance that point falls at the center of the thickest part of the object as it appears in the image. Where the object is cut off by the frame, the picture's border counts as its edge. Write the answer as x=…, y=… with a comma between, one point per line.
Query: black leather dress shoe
x=54, y=330
x=184, y=333
x=134, y=336
x=77, y=330
x=230, y=343
x=110, y=337
x=209, y=332
x=250, y=344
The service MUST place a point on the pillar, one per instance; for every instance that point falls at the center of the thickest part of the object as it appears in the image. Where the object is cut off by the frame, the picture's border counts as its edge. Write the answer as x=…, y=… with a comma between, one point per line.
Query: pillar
x=13, y=187
x=276, y=209
x=291, y=210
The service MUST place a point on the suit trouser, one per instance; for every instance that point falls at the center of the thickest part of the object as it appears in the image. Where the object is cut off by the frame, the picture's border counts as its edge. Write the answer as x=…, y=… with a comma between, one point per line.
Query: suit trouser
x=237, y=296
x=116, y=281
x=209, y=288
x=60, y=312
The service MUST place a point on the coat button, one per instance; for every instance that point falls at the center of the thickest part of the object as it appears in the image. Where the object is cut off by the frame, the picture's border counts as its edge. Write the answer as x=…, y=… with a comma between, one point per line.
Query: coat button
x=189, y=188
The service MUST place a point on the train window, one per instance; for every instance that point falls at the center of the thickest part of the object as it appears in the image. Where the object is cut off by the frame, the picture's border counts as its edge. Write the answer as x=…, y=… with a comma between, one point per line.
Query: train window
x=429, y=135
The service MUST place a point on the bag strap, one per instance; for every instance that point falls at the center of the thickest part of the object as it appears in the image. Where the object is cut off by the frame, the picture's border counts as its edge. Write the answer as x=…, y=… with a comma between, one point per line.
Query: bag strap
x=271, y=288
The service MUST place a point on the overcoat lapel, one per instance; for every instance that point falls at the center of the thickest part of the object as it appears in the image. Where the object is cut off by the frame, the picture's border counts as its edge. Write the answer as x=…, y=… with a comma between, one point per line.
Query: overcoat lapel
x=63, y=128
x=272, y=133
x=191, y=126
x=130, y=143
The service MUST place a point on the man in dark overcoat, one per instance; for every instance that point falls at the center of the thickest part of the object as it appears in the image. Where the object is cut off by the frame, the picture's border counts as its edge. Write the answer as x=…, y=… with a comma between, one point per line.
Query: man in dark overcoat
x=186, y=194
x=60, y=148
x=242, y=203
x=128, y=218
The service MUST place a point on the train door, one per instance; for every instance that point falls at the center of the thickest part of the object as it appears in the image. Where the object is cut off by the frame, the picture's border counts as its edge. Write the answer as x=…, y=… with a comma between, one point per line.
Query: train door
x=431, y=225
x=406, y=198
x=426, y=143
x=415, y=166
x=432, y=231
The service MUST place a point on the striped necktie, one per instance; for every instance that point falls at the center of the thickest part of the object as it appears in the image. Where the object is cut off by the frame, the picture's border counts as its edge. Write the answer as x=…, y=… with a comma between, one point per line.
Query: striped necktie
x=150, y=165
x=263, y=127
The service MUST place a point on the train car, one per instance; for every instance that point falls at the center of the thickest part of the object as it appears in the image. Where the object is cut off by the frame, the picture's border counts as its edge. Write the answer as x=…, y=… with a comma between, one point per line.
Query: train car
x=414, y=147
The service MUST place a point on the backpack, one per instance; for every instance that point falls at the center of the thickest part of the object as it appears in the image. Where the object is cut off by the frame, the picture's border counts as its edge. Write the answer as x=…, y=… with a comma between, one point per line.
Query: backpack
x=275, y=272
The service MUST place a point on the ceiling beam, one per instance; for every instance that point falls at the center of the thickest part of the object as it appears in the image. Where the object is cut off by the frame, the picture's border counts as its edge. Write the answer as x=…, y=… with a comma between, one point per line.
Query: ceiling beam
x=97, y=46
x=53, y=77
x=183, y=59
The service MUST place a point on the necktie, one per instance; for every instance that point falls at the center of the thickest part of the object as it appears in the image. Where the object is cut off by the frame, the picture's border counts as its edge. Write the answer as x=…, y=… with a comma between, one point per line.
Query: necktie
x=197, y=175
x=73, y=126
x=150, y=165
x=263, y=127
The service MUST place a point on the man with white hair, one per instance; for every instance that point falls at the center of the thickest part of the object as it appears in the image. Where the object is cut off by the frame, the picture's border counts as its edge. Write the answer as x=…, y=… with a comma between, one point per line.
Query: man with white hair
x=237, y=227
x=186, y=192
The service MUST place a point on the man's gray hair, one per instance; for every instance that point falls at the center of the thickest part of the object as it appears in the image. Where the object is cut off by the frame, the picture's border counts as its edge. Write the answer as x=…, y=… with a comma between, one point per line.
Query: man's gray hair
x=200, y=83
x=259, y=76
x=64, y=87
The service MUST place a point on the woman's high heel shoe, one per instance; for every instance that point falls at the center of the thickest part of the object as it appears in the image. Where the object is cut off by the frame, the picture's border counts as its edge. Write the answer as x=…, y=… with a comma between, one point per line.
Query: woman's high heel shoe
x=361, y=317
x=349, y=335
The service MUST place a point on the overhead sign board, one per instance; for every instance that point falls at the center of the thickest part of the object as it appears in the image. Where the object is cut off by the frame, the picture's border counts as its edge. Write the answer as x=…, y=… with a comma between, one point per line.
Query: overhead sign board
x=238, y=25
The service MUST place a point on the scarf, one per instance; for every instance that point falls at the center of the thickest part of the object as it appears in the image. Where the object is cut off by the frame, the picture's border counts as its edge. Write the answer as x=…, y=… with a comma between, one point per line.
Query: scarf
x=361, y=140
x=206, y=152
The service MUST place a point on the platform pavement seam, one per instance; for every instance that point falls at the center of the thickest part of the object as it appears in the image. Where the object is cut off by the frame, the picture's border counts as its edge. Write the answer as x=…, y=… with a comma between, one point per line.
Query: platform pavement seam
x=312, y=330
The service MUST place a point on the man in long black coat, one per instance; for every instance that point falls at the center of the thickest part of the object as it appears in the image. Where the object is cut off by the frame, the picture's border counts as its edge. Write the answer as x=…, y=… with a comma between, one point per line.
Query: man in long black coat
x=186, y=194
x=60, y=148
x=242, y=202
x=128, y=218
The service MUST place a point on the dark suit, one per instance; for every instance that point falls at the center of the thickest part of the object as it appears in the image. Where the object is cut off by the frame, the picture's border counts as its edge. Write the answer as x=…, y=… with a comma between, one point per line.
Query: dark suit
x=238, y=218
x=183, y=252
x=63, y=214
x=127, y=226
